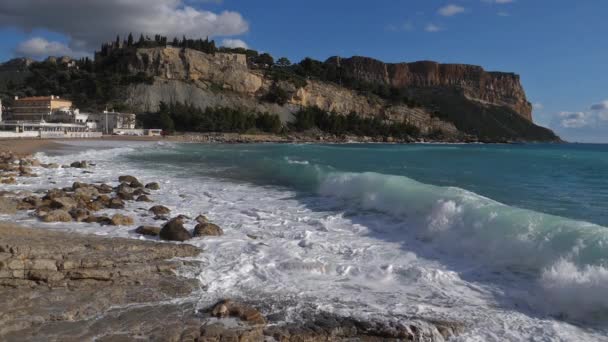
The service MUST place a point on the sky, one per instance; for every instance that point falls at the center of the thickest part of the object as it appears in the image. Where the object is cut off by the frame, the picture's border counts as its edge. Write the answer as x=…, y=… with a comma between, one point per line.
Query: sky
x=559, y=47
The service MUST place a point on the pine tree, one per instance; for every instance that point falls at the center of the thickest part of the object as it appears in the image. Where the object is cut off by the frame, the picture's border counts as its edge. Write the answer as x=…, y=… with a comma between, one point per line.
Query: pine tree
x=141, y=40
x=130, y=40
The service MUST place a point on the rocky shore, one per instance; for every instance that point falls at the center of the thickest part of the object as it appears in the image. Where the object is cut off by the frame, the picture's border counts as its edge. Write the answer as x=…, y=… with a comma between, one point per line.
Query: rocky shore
x=60, y=286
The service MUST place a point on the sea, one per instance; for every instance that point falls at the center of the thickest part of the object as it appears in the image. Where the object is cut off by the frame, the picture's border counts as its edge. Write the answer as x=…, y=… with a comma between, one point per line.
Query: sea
x=510, y=240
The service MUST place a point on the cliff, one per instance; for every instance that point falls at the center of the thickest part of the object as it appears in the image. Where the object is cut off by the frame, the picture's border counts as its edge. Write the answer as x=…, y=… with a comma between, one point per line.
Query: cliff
x=225, y=80
x=444, y=101
x=494, y=88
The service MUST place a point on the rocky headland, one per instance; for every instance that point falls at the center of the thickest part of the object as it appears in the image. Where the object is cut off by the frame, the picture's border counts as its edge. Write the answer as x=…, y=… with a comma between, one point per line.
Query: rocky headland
x=66, y=286
x=444, y=102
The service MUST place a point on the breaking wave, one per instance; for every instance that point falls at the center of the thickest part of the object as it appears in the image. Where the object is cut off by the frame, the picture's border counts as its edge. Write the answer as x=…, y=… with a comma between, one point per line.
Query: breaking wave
x=567, y=257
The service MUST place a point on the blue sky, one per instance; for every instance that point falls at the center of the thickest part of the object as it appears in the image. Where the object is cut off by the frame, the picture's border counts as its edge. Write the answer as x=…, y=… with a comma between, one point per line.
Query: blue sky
x=559, y=47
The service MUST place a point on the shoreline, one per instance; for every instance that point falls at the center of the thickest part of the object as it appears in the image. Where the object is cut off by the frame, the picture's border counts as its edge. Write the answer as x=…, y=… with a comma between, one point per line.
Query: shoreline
x=48, y=275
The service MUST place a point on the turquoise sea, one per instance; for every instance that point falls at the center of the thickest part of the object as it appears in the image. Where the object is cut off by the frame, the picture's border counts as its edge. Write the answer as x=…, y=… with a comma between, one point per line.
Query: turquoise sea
x=512, y=240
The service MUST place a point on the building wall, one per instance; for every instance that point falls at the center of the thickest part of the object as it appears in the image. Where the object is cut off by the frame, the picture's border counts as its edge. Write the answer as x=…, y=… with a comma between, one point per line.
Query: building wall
x=37, y=108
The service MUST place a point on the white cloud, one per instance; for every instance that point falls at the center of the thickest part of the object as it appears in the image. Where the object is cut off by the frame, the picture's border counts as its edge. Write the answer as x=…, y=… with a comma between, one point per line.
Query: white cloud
x=89, y=23
x=432, y=28
x=503, y=14
x=234, y=43
x=39, y=47
x=600, y=106
x=538, y=106
x=500, y=2
x=451, y=10
x=573, y=119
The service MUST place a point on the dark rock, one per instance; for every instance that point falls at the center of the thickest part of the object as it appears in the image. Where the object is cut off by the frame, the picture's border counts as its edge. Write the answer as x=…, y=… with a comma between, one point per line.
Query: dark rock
x=122, y=220
x=148, y=230
x=64, y=203
x=80, y=164
x=174, y=231
x=201, y=219
x=127, y=179
x=136, y=184
x=207, y=229
x=143, y=198
x=160, y=210
x=153, y=186
x=116, y=203
x=8, y=205
x=57, y=216
x=79, y=215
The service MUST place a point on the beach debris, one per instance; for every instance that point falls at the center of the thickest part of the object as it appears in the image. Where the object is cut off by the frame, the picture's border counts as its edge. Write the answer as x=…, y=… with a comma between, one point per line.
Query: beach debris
x=207, y=229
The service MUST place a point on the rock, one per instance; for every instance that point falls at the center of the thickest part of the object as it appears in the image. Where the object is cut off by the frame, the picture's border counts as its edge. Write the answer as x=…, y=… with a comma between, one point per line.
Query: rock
x=9, y=180
x=65, y=203
x=80, y=164
x=57, y=216
x=174, y=231
x=153, y=186
x=86, y=193
x=160, y=210
x=116, y=203
x=143, y=198
x=136, y=184
x=54, y=193
x=122, y=220
x=102, y=220
x=79, y=214
x=104, y=188
x=207, y=229
x=127, y=179
x=126, y=196
x=228, y=308
x=8, y=205
x=148, y=230
x=51, y=166
x=201, y=219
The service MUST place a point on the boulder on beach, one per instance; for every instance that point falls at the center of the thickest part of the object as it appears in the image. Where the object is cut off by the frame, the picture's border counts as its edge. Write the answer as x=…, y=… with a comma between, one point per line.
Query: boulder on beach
x=65, y=203
x=153, y=186
x=127, y=179
x=201, y=219
x=207, y=229
x=136, y=184
x=174, y=231
x=104, y=188
x=80, y=164
x=148, y=230
x=116, y=203
x=58, y=215
x=143, y=198
x=160, y=210
x=79, y=214
x=228, y=308
x=122, y=220
x=9, y=180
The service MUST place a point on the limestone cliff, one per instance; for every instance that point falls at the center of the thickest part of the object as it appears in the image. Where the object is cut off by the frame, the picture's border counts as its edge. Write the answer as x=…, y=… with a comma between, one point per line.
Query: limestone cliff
x=495, y=88
x=457, y=100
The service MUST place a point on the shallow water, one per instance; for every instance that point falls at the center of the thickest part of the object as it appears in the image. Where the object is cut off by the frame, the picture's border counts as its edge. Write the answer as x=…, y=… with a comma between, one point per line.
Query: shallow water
x=508, y=239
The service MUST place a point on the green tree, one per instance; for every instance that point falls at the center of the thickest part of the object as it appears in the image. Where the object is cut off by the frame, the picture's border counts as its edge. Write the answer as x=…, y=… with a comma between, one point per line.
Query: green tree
x=130, y=40
x=283, y=62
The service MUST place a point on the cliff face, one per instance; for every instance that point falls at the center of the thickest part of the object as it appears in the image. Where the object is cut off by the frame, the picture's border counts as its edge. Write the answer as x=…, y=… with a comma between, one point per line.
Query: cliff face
x=457, y=100
x=496, y=88
x=224, y=80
